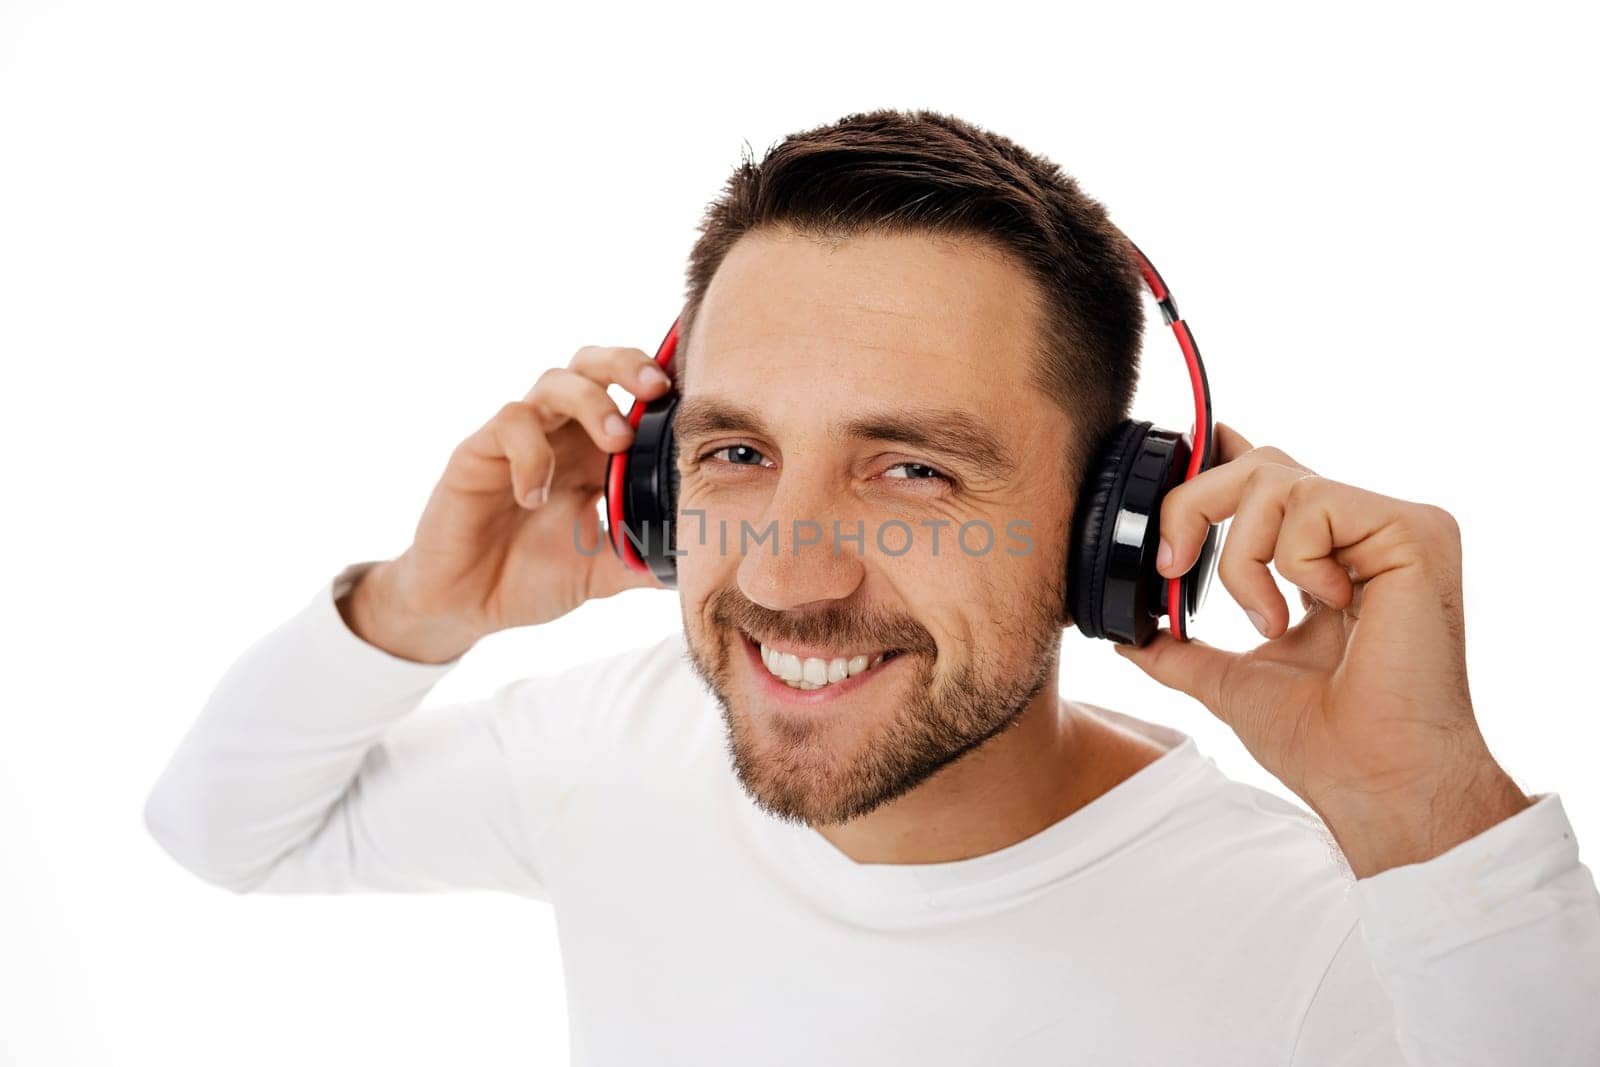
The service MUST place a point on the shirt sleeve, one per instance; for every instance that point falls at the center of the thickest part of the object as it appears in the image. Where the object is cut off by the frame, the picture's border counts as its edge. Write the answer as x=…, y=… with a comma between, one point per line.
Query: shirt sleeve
x=311, y=770
x=1486, y=954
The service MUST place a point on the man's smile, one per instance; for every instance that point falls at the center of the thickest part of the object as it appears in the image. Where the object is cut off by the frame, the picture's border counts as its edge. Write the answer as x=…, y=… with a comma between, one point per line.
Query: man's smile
x=796, y=674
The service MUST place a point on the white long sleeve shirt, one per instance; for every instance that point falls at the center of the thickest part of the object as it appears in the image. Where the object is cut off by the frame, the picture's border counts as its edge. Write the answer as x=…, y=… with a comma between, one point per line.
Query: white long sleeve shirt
x=1182, y=918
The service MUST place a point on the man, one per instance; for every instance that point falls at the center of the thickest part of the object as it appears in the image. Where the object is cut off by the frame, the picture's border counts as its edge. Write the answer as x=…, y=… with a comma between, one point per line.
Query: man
x=845, y=816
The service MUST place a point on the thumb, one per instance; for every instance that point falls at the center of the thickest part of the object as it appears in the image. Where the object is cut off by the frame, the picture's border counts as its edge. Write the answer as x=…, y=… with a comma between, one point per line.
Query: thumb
x=611, y=576
x=1191, y=667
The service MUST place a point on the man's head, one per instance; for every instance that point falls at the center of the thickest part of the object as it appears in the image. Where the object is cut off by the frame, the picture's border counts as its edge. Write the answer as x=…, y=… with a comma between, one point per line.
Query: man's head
x=903, y=341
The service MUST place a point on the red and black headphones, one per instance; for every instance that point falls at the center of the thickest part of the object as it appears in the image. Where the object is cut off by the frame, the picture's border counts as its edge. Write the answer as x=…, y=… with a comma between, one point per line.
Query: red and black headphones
x=1114, y=589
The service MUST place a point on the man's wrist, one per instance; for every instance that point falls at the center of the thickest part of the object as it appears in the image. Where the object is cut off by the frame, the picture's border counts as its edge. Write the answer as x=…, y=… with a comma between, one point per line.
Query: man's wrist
x=1427, y=820
x=373, y=612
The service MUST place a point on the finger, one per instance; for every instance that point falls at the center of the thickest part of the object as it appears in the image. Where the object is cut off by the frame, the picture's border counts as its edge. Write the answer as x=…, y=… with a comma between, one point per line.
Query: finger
x=1322, y=577
x=1251, y=542
x=1190, y=666
x=1191, y=508
x=1336, y=536
x=608, y=574
x=1230, y=442
x=614, y=576
x=630, y=368
x=562, y=394
x=508, y=451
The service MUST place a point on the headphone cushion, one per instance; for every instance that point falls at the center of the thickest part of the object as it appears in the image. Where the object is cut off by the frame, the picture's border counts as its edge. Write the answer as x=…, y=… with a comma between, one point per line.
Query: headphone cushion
x=669, y=486
x=1091, y=540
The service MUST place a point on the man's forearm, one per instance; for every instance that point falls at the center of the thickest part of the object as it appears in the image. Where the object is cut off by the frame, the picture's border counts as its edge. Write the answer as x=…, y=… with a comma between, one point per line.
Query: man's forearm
x=277, y=744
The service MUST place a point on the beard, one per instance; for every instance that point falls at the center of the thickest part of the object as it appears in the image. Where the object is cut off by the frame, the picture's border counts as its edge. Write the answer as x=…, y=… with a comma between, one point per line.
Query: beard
x=802, y=772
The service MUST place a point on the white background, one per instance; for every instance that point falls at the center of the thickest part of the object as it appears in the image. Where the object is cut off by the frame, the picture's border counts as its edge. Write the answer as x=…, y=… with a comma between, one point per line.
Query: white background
x=262, y=266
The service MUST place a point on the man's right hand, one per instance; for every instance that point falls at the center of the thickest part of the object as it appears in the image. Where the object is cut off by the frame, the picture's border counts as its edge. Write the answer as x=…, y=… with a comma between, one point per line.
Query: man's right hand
x=494, y=547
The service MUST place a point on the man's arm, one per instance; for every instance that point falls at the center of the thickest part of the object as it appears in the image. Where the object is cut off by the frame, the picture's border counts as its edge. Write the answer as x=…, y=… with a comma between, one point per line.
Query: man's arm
x=1486, y=954
x=1483, y=929
x=310, y=769
x=307, y=770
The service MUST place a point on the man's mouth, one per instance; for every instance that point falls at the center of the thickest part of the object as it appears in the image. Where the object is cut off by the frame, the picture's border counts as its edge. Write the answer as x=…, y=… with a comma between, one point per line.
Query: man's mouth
x=806, y=669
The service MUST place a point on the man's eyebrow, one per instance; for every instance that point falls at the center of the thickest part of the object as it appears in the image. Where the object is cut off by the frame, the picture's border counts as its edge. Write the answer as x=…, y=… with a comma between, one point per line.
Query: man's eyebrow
x=951, y=432
x=699, y=416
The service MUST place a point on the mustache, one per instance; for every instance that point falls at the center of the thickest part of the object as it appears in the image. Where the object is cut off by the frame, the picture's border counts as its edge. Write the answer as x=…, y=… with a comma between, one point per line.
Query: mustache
x=849, y=624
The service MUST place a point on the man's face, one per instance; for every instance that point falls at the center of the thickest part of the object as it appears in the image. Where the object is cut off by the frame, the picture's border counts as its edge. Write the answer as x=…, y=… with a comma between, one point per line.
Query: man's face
x=826, y=388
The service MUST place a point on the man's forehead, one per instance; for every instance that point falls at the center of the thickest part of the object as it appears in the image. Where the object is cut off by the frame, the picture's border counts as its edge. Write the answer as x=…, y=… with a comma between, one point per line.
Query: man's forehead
x=844, y=385
x=924, y=299
x=885, y=337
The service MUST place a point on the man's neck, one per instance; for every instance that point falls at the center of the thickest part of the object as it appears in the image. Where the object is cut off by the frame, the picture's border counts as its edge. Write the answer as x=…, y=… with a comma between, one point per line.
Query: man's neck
x=1054, y=760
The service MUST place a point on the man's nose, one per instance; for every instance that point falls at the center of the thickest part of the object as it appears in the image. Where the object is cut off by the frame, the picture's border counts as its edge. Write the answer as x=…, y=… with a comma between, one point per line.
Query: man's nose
x=802, y=560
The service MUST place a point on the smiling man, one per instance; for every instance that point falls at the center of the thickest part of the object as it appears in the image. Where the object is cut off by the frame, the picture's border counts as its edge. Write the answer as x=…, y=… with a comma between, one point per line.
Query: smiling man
x=845, y=815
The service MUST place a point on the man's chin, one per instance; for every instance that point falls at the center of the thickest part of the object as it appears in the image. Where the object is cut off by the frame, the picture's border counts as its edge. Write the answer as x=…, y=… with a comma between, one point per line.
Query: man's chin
x=815, y=758
x=796, y=778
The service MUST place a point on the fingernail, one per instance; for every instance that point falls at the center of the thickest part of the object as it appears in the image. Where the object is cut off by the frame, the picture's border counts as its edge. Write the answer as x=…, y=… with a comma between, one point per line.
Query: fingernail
x=536, y=496
x=1260, y=623
x=1164, y=556
x=616, y=426
x=651, y=375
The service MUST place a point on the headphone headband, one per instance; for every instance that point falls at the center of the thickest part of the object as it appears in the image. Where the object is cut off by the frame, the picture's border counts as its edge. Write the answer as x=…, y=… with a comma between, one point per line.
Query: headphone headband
x=1201, y=452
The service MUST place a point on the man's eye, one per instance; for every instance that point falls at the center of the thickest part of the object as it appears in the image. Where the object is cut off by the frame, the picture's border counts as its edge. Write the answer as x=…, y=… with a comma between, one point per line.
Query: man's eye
x=916, y=472
x=738, y=455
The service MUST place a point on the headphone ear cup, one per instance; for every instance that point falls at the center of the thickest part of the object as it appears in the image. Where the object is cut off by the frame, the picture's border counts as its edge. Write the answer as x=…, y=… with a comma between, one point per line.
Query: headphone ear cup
x=1117, y=592
x=648, y=491
x=641, y=486
x=1090, y=546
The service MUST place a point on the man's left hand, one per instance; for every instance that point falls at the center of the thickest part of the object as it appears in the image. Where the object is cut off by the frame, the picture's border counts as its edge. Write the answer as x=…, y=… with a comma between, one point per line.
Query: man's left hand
x=1361, y=708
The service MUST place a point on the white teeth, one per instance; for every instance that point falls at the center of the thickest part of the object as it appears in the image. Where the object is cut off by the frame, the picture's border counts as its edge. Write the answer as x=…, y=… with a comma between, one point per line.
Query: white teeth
x=815, y=673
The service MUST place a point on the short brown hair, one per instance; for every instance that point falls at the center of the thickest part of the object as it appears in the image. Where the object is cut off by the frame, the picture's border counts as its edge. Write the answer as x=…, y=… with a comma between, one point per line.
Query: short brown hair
x=907, y=171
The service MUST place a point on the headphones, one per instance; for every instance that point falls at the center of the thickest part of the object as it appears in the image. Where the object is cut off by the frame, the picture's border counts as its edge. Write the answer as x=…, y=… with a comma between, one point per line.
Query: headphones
x=1113, y=588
